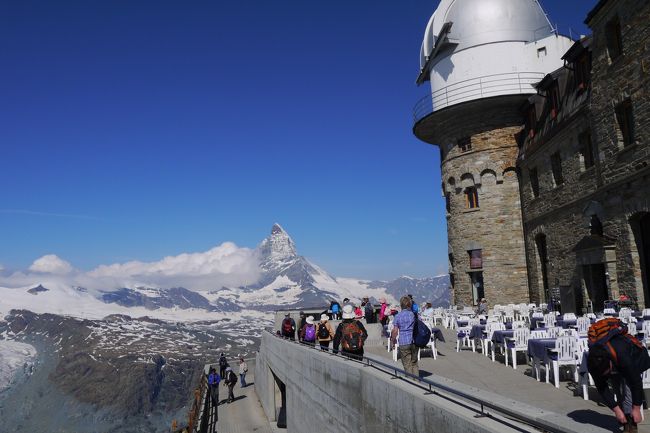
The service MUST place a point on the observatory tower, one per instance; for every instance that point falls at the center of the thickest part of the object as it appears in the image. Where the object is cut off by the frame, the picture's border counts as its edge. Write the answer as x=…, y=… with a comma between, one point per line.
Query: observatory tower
x=482, y=58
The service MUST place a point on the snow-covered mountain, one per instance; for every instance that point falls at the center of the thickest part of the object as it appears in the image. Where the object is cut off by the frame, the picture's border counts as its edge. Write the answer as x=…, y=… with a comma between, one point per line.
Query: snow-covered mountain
x=285, y=280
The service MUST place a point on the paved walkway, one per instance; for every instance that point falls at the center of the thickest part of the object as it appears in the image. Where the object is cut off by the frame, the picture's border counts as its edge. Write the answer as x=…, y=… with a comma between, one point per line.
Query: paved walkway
x=245, y=414
x=479, y=371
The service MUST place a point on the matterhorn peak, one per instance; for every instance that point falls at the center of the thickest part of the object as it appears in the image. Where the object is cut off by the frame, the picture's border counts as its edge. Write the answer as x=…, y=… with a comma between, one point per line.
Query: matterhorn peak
x=278, y=246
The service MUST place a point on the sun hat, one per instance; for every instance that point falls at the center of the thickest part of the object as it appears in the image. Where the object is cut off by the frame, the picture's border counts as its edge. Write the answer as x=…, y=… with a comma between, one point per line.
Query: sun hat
x=348, y=312
x=310, y=320
x=323, y=318
x=287, y=315
x=382, y=300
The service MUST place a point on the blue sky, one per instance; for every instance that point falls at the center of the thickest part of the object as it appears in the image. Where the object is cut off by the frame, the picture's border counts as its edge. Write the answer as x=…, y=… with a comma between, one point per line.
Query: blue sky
x=136, y=130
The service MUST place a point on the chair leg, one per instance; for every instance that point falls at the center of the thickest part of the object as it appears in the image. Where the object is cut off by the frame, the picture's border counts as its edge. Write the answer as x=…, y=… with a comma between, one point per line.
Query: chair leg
x=418, y=353
x=457, y=345
x=514, y=359
x=492, y=349
x=547, y=368
x=585, y=392
x=556, y=373
x=505, y=353
x=473, y=342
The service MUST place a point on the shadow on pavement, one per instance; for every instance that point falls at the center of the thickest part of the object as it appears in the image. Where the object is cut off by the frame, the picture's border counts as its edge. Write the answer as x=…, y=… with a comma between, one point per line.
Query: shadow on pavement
x=586, y=416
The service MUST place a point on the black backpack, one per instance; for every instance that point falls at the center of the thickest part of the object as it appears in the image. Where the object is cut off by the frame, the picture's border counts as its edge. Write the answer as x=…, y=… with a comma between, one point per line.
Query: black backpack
x=323, y=332
x=232, y=378
x=421, y=333
x=223, y=363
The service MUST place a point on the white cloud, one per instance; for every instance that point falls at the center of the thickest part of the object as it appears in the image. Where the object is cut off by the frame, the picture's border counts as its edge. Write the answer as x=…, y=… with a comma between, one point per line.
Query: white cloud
x=51, y=264
x=223, y=265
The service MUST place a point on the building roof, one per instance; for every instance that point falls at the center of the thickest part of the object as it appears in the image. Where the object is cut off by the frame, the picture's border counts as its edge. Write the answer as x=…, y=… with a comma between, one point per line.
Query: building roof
x=478, y=22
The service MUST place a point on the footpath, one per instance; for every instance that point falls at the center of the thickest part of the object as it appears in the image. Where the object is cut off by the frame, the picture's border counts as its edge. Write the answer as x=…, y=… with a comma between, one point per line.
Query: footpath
x=245, y=414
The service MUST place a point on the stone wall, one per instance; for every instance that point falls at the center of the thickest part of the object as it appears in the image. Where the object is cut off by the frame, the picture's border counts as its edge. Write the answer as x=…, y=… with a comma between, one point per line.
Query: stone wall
x=616, y=189
x=495, y=225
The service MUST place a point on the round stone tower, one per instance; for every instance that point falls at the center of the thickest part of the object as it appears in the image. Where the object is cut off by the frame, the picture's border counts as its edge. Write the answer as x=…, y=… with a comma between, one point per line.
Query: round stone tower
x=482, y=58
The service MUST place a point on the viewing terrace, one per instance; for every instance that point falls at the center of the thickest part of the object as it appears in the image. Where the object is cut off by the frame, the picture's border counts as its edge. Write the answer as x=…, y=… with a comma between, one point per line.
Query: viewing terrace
x=301, y=388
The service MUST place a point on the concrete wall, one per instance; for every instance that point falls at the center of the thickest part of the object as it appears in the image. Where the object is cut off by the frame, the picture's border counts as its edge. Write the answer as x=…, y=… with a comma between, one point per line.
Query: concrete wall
x=326, y=393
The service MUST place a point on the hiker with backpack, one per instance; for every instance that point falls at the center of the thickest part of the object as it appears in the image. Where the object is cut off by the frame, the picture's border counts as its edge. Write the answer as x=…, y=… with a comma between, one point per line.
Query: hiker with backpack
x=618, y=359
x=325, y=332
x=350, y=335
x=230, y=381
x=402, y=334
x=223, y=364
x=288, y=327
x=308, y=331
x=213, y=384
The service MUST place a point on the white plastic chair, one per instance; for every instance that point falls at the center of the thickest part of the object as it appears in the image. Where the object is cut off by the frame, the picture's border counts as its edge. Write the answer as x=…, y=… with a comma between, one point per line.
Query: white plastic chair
x=519, y=343
x=486, y=341
x=554, y=331
x=519, y=324
x=565, y=349
x=539, y=333
x=549, y=320
x=569, y=316
x=582, y=325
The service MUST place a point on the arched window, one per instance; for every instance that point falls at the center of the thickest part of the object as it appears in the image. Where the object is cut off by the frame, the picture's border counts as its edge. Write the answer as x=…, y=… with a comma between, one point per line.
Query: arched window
x=595, y=226
x=471, y=197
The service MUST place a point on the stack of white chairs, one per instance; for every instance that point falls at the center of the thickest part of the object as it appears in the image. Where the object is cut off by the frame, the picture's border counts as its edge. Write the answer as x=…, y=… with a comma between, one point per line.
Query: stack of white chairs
x=645, y=313
x=439, y=316
x=389, y=329
x=590, y=316
x=519, y=344
x=543, y=307
x=609, y=311
x=582, y=325
x=565, y=349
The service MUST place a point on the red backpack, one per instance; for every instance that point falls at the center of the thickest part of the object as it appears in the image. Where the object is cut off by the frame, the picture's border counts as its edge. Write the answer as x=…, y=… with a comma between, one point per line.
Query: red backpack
x=287, y=328
x=606, y=329
x=352, y=337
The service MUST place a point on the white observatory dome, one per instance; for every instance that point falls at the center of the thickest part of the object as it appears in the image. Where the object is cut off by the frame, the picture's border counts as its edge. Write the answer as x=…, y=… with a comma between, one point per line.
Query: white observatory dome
x=476, y=49
x=478, y=22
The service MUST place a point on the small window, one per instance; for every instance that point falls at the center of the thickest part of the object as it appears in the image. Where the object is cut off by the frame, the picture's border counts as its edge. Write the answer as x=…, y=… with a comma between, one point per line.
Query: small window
x=475, y=259
x=541, y=52
x=534, y=181
x=625, y=120
x=614, y=39
x=465, y=144
x=531, y=120
x=471, y=197
x=586, y=150
x=582, y=67
x=556, y=167
x=554, y=99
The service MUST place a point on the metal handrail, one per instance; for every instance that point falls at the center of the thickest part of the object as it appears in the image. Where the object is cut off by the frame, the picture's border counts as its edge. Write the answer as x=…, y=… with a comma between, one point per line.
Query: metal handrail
x=483, y=86
x=433, y=386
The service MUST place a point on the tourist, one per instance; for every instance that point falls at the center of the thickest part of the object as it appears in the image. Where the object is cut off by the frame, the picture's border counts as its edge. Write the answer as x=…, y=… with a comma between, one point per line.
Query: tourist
x=404, y=322
x=383, y=314
x=230, y=381
x=213, y=384
x=243, y=369
x=358, y=312
x=482, y=307
x=335, y=308
x=414, y=306
x=350, y=335
x=325, y=332
x=368, y=311
x=223, y=364
x=619, y=363
x=308, y=331
x=288, y=327
x=427, y=312
x=303, y=320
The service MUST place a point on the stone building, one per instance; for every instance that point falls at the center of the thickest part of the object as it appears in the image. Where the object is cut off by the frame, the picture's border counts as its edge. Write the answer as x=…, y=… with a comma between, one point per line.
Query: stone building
x=545, y=174
x=583, y=166
x=473, y=116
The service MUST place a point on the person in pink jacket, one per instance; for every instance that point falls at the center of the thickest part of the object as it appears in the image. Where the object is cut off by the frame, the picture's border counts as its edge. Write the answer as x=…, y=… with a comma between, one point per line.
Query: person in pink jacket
x=383, y=317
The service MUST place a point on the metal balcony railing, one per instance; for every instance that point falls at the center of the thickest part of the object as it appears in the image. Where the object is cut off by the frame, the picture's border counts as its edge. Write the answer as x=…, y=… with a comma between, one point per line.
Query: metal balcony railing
x=512, y=83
